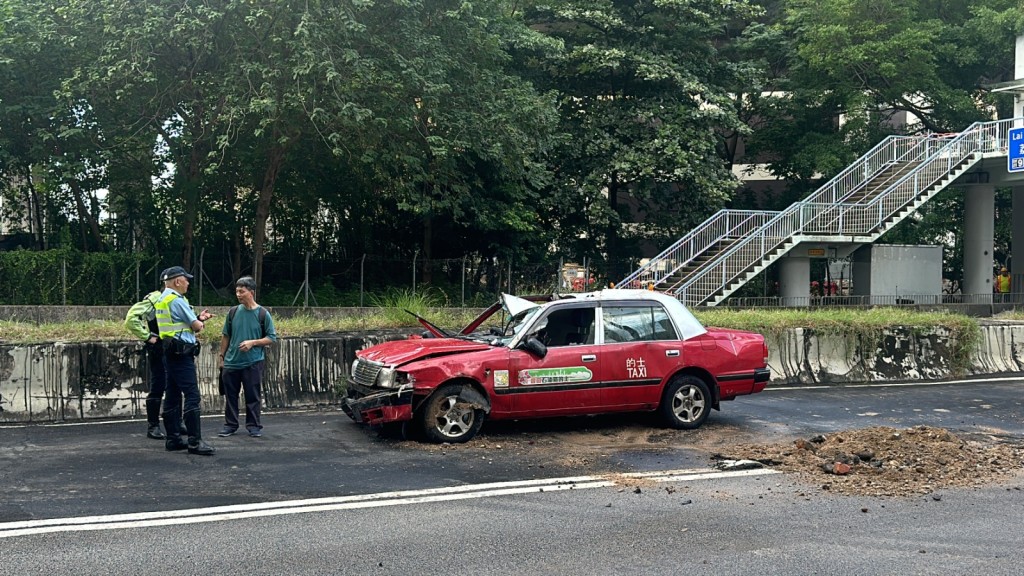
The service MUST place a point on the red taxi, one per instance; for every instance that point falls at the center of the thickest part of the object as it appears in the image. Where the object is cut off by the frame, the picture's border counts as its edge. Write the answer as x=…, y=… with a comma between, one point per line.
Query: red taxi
x=579, y=353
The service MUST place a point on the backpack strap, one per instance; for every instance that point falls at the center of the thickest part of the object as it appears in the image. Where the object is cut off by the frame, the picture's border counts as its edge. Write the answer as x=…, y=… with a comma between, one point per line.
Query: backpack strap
x=231, y=317
x=263, y=321
x=262, y=316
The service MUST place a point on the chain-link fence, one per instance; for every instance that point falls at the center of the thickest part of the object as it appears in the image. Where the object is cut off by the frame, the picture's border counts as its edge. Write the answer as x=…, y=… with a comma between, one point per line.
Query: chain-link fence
x=71, y=278
x=67, y=277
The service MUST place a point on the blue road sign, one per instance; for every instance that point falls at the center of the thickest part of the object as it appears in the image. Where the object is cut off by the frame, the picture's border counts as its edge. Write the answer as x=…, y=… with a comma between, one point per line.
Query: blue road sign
x=1015, y=159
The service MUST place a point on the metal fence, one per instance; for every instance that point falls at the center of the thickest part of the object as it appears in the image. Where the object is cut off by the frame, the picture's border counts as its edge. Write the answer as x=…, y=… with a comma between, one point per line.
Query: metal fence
x=70, y=278
x=74, y=279
x=873, y=300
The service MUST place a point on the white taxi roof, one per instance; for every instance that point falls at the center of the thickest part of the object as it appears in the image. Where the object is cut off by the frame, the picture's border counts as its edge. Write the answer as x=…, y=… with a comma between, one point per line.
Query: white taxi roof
x=685, y=321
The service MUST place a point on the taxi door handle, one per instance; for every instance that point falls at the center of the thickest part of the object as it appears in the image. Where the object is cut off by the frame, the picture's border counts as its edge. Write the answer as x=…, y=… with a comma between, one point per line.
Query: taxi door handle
x=590, y=357
x=671, y=353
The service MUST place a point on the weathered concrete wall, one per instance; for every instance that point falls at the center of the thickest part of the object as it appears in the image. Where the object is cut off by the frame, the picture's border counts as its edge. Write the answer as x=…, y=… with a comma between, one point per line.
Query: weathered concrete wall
x=802, y=357
x=56, y=382
x=54, y=314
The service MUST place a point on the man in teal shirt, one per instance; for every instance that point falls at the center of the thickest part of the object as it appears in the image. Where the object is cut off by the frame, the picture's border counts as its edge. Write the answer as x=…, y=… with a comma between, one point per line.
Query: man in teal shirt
x=248, y=329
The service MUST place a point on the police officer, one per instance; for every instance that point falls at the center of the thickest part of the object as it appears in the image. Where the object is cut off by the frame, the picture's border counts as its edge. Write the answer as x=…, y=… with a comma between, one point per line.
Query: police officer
x=178, y=326
x=141, y=322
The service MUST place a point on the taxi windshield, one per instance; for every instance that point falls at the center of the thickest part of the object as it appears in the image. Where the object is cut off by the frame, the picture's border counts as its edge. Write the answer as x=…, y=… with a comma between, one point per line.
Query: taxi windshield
x=516, y=324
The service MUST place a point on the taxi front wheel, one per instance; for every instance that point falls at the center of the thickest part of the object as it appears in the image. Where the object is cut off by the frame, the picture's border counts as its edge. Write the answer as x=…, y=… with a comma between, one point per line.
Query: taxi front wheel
x=686, y=402
x=446, y=418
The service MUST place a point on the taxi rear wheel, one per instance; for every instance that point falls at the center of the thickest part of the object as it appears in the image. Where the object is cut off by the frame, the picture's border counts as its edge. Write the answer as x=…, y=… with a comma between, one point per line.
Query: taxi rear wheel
x=446, y=418
x=686, y=402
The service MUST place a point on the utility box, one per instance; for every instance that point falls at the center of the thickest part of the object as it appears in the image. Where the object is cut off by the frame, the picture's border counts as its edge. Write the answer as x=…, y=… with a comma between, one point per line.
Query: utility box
x=898, y=274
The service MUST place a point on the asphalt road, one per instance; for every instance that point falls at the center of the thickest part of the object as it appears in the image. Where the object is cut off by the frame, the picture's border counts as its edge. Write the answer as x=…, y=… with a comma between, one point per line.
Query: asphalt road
x=320, y=495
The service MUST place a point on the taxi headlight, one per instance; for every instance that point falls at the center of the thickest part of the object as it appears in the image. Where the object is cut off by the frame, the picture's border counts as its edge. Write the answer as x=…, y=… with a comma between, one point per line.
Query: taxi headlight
x=391, y=378
x=386, y=377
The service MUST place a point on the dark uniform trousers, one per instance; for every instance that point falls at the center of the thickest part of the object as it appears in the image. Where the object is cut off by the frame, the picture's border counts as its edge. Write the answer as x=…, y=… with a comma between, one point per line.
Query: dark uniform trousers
x=181, y=383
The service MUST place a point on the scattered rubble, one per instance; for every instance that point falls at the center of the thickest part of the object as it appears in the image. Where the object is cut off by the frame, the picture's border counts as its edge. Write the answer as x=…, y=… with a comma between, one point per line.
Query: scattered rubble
x=884, y=461
x=875, y=461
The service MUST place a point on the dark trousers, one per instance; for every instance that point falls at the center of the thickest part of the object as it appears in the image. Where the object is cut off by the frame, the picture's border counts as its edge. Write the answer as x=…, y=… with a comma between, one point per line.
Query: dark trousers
x=157, y=382
x=249, y=380
x=181, y=383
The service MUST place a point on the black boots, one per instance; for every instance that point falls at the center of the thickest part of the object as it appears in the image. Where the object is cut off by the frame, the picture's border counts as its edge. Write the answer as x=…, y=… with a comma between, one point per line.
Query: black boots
x=172, y=423
x=196, y=445
x=153, y=418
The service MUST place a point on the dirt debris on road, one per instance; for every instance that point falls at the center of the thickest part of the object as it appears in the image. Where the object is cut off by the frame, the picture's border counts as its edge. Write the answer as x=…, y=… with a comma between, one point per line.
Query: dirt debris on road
x=885, y=461
x=873, y=461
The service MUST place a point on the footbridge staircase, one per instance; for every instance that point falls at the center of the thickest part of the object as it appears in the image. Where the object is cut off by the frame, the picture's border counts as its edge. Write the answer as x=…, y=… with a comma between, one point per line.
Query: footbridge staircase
x=875, y=193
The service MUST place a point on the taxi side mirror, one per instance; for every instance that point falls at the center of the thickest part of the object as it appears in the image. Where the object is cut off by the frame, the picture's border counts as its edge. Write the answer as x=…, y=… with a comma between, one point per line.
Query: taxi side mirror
x=535, y=347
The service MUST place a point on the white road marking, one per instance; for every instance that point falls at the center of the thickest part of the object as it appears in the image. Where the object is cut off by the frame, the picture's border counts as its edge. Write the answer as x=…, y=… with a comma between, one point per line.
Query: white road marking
x=898, y=384
x=261, y=509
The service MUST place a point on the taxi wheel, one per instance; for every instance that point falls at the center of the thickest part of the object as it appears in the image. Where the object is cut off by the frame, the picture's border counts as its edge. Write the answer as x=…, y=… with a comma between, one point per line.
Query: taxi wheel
x=686, y=402
x=445, y=418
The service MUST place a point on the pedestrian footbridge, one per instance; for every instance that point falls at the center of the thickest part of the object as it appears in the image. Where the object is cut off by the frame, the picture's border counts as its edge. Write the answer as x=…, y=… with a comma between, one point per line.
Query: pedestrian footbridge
x=871, y=196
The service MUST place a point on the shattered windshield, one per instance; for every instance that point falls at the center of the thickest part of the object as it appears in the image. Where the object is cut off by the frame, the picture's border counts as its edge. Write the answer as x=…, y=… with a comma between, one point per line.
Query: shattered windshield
x=516, y=324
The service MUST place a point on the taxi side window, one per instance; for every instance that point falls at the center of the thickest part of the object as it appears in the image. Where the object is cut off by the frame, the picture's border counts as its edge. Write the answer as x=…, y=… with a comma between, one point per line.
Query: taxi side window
x=637, y=324
x=568, y=327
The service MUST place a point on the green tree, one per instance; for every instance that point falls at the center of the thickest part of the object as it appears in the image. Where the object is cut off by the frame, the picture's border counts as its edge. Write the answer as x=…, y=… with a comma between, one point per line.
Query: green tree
x=645, y=101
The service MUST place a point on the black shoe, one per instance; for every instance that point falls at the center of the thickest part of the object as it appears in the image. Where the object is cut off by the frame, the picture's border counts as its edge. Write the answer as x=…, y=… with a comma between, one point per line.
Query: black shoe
x=201, y=448
x=155, y=433
x=175, y=445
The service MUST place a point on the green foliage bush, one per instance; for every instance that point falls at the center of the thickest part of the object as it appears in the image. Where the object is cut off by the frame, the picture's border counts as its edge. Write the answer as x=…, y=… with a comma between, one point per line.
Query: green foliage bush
x=67, y=276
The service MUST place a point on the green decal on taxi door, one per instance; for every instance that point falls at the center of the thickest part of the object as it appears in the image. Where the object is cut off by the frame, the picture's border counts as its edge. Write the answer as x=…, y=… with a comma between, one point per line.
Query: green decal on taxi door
x=555, y=375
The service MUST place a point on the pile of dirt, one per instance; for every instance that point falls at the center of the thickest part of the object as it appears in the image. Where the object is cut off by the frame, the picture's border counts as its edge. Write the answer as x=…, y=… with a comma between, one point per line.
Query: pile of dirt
x=884, y=461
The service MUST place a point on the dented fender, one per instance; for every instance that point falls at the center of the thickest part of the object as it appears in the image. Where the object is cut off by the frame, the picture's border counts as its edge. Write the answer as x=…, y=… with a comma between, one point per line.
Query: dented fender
x=473, y=397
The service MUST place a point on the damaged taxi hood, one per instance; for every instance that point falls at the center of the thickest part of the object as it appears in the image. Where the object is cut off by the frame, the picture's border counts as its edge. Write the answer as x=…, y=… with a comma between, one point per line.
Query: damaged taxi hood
x=400, y=352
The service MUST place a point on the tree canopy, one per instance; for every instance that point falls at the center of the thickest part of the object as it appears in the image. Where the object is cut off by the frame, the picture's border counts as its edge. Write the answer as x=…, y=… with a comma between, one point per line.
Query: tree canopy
x=501, y=130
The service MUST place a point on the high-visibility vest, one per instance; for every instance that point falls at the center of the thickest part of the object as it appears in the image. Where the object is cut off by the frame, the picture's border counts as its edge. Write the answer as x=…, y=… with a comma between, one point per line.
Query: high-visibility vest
x=1003, y=283
x=167, y=326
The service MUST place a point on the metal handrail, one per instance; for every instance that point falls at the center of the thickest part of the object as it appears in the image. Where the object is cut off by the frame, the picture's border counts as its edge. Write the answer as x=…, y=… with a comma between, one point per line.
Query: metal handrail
x=786, y=225
x=717, y=227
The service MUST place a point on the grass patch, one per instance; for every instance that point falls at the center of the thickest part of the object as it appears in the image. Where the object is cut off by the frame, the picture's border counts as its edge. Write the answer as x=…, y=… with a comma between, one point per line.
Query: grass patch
x=829, y=321
x=14, y=332
x=392, y=315
x=861, y=325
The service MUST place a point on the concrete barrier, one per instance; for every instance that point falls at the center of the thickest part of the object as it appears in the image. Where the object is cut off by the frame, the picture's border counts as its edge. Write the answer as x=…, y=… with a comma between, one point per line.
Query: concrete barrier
x=73, y=381
x=64, y=381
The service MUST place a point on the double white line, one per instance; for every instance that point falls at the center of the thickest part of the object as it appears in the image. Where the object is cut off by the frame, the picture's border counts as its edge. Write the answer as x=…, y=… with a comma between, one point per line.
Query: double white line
x=242, y=511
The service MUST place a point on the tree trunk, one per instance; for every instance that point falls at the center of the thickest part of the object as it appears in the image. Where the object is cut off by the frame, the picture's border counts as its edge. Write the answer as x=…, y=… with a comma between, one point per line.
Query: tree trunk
x=275, y=161
x=612, y=233
x=85, y=218
x=428, y=248
x=35, y=211
x=190, y=195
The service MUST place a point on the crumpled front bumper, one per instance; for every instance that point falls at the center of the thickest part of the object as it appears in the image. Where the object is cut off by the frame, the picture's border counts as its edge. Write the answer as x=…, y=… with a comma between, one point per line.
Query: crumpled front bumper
x=376, y=405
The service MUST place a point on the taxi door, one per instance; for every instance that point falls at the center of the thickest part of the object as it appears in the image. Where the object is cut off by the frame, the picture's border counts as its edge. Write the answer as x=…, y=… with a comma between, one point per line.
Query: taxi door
x=567, y=379
x=641, y=348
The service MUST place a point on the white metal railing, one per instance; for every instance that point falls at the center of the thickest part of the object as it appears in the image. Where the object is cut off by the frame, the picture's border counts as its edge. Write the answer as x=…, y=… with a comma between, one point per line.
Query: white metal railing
x=936, y=158
x=737, y=224
x=723, y=225
x=872, y=300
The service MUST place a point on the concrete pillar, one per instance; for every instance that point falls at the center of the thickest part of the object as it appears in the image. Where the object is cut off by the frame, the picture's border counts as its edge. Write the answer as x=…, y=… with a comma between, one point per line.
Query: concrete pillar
x=1016, y=265
x=979, y=227
x=1018, y=69
x=795, y=281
